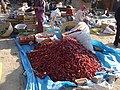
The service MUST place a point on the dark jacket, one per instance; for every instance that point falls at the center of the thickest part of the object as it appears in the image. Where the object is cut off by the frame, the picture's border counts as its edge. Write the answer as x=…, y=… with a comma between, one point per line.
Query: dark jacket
x=117, y=16
x=40, y=13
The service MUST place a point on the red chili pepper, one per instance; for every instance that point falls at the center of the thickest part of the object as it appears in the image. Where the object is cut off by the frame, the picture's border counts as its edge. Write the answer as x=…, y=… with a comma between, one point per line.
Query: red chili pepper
x=64, y=60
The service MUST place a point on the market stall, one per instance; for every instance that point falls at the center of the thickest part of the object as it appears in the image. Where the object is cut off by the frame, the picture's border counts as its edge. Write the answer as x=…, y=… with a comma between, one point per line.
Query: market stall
x=57, y=64
x=59, y=58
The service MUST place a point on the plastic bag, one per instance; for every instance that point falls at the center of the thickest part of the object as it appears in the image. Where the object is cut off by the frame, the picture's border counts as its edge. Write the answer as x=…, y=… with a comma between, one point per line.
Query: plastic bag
x=55, y=13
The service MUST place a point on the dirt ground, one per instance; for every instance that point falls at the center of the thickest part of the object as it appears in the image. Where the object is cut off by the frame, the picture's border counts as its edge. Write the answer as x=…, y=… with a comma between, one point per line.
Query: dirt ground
x=11, y=65
x=12, y=68
x=108, y=40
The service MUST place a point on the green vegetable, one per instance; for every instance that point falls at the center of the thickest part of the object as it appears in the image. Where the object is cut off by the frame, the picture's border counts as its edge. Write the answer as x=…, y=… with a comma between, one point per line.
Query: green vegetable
x=2, y=32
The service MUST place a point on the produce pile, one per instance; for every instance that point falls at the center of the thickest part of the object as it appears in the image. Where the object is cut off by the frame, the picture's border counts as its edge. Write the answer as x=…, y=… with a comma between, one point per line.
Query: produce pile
x=27, y=39
x=64, y=60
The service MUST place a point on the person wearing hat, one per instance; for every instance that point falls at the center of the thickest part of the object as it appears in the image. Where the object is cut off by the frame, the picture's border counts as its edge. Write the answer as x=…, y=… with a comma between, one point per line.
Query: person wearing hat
x=70, y=13
x=53, y=6
x=81, y=14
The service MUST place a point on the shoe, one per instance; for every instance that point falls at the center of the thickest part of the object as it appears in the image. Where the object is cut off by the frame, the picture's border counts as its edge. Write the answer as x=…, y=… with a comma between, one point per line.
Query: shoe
x=115, y=45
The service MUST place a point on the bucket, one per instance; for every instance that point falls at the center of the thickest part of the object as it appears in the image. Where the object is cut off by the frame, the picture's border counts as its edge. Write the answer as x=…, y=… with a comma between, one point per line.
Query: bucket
x=58, y=34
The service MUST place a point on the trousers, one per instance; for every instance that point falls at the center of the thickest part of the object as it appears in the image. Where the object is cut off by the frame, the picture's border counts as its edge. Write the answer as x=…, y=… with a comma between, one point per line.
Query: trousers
x=117, y=39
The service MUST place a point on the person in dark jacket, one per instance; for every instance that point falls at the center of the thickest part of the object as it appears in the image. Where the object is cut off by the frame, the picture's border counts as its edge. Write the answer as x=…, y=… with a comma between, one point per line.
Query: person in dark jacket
x=39, y=6
x=94, y=5
x=117, y=17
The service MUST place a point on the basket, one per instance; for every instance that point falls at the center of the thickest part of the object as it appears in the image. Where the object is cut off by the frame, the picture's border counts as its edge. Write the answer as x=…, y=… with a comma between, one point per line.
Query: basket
x=41, y=40
x=68, y=25
x=29, y=19
x=104, y=25
x=9, y=30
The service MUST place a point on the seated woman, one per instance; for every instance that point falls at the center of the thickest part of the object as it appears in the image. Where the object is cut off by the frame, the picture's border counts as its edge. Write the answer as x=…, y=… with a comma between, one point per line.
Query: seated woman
x=70, y=13
x=106, y=14
x=91, y=12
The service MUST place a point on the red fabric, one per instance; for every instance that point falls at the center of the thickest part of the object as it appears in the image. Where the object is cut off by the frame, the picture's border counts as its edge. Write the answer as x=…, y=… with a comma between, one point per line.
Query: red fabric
x=70, y=12
x=82, y=8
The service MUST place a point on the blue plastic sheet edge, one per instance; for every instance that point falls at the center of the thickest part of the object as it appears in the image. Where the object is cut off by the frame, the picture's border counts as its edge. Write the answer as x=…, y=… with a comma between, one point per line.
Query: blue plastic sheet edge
x=110, y=58
x=33, y=82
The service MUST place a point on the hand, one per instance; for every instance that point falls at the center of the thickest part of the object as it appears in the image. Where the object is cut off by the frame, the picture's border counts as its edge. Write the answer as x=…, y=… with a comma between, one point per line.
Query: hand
x=31, y=8
x=36, y=8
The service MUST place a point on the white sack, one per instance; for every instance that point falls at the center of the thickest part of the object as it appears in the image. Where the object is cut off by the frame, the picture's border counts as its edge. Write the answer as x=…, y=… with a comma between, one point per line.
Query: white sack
x=110, y=29
x=83, y=36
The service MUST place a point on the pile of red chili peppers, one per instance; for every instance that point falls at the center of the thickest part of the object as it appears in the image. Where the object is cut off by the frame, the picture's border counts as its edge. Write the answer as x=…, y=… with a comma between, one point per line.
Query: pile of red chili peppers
x=64, y=60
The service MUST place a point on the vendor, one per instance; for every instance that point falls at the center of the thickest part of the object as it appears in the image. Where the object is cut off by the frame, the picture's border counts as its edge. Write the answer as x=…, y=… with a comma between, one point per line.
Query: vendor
x=94, y=5
x=70, y=13
x=106, y=12
x=81, y=14
x=53, y=6
x=28, y=1
x=91, y=12
x=39, y=6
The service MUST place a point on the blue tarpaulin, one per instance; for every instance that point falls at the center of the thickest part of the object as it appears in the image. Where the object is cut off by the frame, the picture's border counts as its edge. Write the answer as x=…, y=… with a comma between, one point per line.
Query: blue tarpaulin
x=110, y=58
x=33, y=82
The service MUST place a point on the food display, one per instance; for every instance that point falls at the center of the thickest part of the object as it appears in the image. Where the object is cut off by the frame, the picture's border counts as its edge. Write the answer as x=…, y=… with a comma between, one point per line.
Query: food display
x=64, y=60
x=41, y=38
x=27, y=39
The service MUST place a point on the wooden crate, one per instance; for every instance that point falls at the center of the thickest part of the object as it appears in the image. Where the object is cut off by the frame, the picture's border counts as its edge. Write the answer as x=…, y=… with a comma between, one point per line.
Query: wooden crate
x=32, y=27
x=20, y=17
x=29, y=18
x=14, y=21
x=29, y=22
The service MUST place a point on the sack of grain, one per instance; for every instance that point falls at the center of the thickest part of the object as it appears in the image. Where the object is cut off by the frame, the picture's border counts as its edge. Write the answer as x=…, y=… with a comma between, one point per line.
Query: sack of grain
x=82, y=33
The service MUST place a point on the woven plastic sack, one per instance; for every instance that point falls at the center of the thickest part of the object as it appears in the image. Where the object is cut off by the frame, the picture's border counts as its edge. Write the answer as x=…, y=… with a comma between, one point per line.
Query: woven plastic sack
x=67, y=24
x=110, y=29
x=82, y=33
